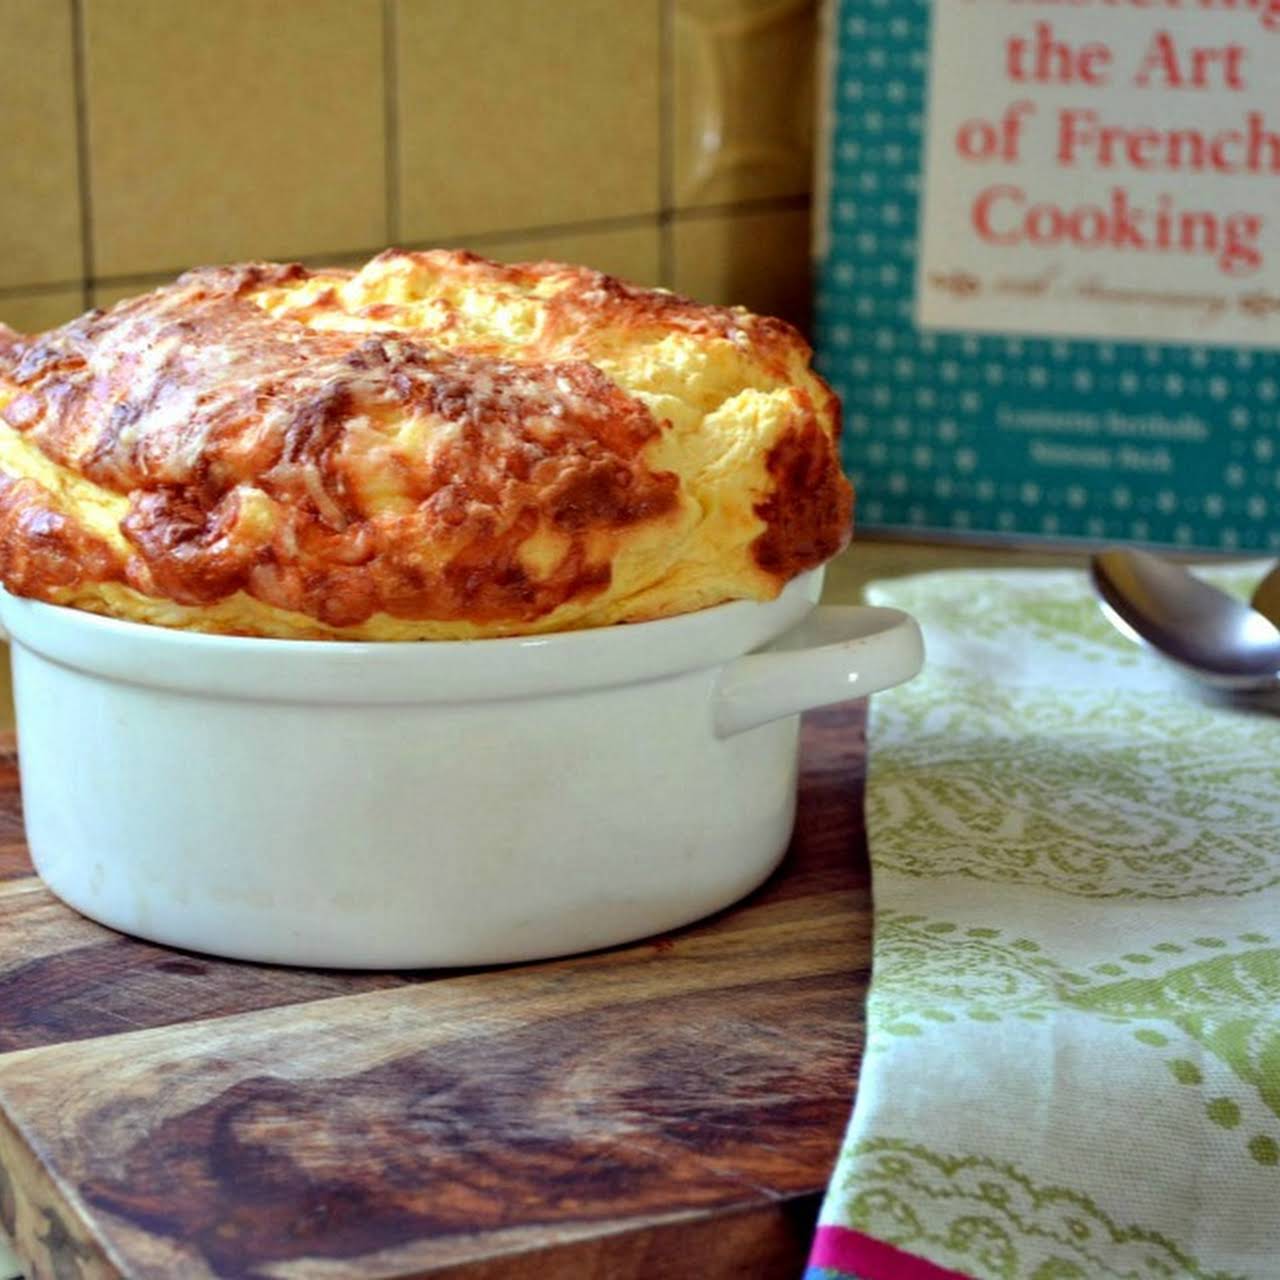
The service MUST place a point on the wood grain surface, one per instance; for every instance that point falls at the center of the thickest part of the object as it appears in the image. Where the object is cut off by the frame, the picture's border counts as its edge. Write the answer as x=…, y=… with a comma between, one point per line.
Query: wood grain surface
x=14, y=862
x=666, y=1109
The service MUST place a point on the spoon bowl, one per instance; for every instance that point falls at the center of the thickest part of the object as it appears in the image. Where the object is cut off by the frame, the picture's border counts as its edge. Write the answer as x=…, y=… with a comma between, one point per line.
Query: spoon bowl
x=1207, y=632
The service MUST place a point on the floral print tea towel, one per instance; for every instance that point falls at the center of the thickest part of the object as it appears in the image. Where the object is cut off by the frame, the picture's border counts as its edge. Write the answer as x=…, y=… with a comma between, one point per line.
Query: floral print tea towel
x=1073, y=1060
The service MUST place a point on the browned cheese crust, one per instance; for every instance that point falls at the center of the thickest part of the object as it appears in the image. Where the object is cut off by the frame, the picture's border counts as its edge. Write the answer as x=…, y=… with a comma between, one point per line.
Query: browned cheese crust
x=436, y=446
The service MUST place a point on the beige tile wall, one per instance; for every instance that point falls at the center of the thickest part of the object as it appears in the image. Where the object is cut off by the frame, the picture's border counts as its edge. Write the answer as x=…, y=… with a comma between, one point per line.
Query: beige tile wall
x=668, y=141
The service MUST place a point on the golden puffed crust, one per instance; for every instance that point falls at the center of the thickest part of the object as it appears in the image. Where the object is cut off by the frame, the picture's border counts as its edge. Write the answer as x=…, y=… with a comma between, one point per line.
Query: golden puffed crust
x=433, y=447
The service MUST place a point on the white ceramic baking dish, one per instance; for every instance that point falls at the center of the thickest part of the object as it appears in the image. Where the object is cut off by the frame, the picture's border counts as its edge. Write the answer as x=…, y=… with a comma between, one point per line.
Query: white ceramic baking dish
x=403, y=805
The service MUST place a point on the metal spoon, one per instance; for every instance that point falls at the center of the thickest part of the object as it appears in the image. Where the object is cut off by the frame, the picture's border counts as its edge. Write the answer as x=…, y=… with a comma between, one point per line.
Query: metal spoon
x=1208, y=633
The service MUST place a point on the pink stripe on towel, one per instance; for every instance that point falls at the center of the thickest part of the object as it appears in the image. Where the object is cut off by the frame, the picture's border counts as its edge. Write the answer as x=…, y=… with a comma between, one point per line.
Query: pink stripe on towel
x=838, y=1249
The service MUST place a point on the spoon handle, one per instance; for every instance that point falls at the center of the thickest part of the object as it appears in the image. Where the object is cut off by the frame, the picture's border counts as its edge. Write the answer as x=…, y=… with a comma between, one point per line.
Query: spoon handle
x=1266, y=597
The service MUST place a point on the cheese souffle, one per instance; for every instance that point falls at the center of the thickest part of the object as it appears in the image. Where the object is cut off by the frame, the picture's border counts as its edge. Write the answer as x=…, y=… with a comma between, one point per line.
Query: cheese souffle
x=433, y=447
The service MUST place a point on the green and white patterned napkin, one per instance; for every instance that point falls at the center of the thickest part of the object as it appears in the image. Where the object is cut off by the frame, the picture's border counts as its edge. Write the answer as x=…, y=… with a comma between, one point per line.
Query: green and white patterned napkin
x=1073, y=1060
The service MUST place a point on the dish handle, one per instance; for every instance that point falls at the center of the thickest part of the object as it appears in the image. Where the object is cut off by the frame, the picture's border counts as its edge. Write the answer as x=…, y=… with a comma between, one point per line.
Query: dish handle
x=837, y=653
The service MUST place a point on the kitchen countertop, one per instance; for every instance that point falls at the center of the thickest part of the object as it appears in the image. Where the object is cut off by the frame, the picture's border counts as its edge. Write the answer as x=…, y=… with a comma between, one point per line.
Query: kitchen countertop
x=869, y=558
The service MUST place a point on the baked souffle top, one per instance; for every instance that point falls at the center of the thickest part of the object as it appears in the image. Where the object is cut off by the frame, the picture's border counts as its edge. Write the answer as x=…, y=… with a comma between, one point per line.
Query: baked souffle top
x=433, y=447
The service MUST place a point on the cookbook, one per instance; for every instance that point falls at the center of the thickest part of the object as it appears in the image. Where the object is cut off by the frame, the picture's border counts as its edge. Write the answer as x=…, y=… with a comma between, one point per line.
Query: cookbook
x=1048, y=267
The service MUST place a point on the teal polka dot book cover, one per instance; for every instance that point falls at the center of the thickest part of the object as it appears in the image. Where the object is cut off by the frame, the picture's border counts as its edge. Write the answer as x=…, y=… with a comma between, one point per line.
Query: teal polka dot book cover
x=1048, y=267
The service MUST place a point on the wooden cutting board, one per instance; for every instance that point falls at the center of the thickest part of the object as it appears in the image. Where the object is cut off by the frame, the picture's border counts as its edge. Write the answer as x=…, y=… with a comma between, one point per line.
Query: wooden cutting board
x=667, y=1109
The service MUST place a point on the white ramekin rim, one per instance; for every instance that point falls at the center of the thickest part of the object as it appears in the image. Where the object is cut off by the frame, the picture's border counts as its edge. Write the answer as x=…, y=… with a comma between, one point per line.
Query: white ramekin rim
x=262, y=669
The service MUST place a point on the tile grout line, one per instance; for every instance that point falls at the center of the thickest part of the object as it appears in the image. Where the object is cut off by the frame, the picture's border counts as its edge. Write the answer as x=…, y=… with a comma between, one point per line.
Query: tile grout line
x=625, y=222
x=391, y=119
x=666, y=165
x=43, y=287
x=761, y=204
x=80, y=82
